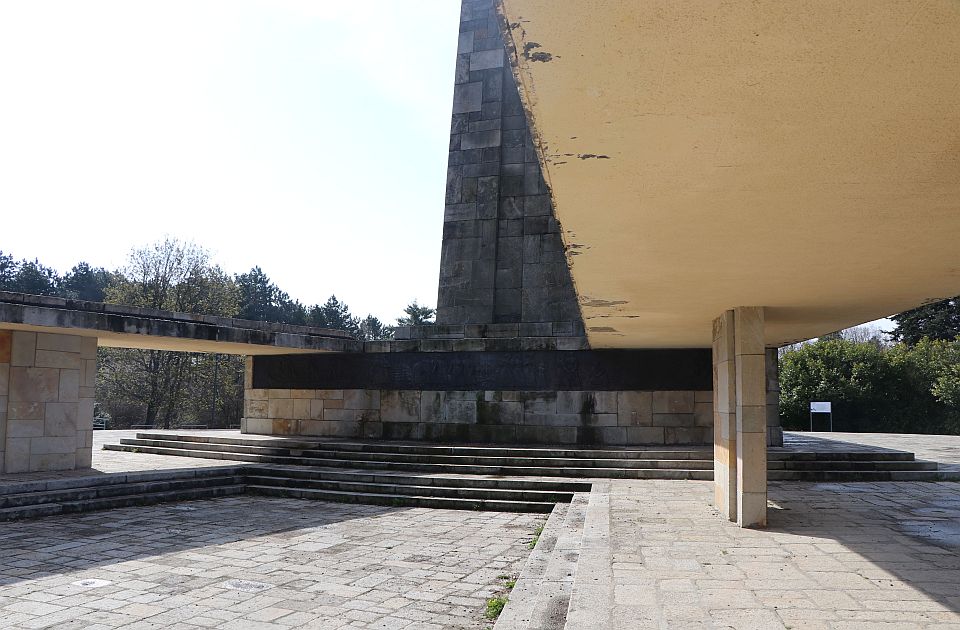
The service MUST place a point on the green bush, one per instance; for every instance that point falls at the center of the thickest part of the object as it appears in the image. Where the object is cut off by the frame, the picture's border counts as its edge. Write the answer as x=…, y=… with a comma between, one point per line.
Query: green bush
x=897, y=389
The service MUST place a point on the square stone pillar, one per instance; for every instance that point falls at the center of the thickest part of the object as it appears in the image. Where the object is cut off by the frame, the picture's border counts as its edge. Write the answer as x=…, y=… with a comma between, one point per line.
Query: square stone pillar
x=6, y=345
x=751, y=393
x=774, y=430
x=47, y=386
x=725, y=416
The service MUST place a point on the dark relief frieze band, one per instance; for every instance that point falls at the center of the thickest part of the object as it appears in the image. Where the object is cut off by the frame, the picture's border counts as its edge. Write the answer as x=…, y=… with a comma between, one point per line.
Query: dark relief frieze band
x=600, y=370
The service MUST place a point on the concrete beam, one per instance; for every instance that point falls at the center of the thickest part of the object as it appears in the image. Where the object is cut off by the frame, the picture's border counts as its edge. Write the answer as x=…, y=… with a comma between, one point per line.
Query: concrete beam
x=121, y=326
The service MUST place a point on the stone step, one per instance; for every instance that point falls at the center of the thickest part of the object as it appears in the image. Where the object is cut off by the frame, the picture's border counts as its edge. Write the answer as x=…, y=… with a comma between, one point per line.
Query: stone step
x=539, y=471
x=890, y=465
x=592, y=602
x=466, y=481
x=87, y=481
x=427, y=459
x=110, y=502
x=453, y=490
x=847, y=476
x=542, y=593
x=115, y=490
x=778, y=454
x=386, y=446
x=693, y=469
x=403, y=500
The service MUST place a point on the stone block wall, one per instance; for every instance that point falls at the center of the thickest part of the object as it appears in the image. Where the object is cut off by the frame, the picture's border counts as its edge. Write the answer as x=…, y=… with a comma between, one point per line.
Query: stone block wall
x=502, y=259
x=498, y=416
x=47, y=386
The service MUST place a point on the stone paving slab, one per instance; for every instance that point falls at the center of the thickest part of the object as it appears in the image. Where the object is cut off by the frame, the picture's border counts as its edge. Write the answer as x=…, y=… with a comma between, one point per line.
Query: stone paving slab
x=251, y=563
x=861, y=555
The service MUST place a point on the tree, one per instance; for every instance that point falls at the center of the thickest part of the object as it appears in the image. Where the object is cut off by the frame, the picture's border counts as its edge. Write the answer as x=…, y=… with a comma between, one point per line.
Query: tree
x=938, y=320
x=372, y=329
x=34, y=278
x=170, y=275
x=416, y=315
x=84, y=282
x=898, y=389
x=261, y=300
x=334, y=314
x=8, y=271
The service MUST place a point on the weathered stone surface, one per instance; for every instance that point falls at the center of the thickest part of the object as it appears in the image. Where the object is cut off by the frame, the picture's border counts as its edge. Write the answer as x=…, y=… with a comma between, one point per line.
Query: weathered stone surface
x=6, y=342
x=60, y=420
x=673, y=402
x=467, y=97
x=400, y=406
x=29, y=384
x=69, y=390
x=23, y=348
x=508, y=173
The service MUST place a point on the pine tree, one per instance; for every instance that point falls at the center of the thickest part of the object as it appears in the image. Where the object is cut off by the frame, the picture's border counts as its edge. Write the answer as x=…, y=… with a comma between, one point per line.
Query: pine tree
x=416, y=315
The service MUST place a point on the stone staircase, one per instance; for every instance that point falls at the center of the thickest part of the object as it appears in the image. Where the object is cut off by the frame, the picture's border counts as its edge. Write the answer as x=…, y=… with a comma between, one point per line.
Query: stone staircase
x=541, y=597
x=571, y=462
x=401, y=489
x=31, y=499
x=837, y=465
x=20, y=500
x=656, y=462
x=499, y=478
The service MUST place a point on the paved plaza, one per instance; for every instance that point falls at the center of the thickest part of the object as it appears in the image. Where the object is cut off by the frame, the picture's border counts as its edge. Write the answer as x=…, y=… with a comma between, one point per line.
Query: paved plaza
x=837, y=556
x=653, y=554
x=251, y=563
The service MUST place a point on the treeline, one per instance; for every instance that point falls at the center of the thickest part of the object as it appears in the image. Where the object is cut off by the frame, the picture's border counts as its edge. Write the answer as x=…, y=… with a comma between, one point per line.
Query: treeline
x=178, y=276
x=909, y=383
x=174, y=389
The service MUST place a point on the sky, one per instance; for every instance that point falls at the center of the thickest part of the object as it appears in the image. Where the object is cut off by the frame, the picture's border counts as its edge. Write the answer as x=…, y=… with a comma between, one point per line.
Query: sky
x=307, y=137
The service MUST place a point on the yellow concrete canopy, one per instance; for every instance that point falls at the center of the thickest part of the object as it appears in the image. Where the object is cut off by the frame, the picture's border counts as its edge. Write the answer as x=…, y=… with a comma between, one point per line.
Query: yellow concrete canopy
x=801, y=156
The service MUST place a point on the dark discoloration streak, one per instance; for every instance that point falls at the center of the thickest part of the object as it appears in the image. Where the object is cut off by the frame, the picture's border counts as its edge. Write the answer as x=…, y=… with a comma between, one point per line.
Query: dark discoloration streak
x=556, y=613
x=606, y=329
x=535, y=56
x=588, y=156
x=604, y=303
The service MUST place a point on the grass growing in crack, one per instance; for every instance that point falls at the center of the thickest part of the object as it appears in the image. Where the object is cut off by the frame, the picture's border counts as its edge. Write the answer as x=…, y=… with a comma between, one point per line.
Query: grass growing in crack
x=495, y=604
x=495, y=607
x=536, y=536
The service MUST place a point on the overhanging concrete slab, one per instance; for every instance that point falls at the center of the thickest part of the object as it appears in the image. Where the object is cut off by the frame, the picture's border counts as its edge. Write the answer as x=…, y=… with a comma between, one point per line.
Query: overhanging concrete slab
x=121, y=326
x=802, y=156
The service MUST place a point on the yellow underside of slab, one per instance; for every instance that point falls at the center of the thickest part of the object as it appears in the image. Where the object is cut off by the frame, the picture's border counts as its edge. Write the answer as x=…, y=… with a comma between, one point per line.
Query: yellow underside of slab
x=154, y=342
x=803, y=156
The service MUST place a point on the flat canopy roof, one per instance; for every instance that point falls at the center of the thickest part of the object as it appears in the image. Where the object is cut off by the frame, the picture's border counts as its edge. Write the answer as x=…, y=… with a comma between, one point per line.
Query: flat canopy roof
x=801, y=156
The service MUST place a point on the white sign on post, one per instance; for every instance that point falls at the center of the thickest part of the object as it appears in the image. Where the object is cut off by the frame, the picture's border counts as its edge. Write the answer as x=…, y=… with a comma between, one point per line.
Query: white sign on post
x=820, y=407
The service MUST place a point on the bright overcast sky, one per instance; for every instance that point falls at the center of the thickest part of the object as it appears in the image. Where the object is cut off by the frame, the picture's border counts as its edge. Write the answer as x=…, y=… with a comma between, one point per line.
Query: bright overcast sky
x=307, y=137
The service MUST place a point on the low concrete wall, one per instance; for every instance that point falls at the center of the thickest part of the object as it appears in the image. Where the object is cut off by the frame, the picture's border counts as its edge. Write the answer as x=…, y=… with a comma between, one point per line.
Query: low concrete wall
x=525, y=417
x=47, y=386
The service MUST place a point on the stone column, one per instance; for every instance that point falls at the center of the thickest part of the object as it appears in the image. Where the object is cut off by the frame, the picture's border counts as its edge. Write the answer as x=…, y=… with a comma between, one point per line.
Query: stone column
x=751, y=393
x=6, y=342
x=724, y=416
x=774, y=430
x=48, y=401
